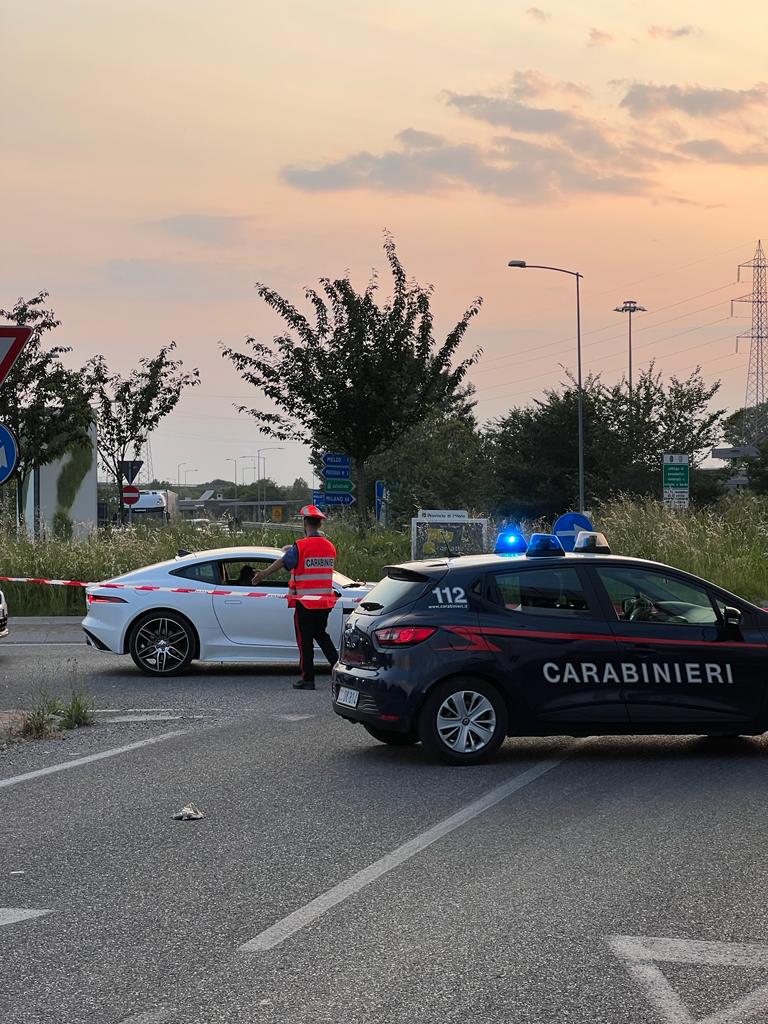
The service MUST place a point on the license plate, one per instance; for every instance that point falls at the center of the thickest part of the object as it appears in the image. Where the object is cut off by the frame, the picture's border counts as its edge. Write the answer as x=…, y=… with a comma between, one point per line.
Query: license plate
x=347, y=697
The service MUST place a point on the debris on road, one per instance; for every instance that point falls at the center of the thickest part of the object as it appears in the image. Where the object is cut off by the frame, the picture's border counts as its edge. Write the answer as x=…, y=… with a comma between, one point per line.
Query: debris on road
x=189, y=813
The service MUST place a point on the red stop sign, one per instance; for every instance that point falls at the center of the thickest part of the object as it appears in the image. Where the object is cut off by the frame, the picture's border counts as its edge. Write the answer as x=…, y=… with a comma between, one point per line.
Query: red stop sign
x=131, y=494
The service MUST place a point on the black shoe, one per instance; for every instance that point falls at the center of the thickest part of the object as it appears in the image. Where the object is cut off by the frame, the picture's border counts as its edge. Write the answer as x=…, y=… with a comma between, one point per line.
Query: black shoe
x=302, y=684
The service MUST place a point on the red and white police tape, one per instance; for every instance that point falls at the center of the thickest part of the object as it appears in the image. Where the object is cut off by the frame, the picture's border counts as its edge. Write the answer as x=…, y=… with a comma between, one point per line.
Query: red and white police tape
x=159, y=590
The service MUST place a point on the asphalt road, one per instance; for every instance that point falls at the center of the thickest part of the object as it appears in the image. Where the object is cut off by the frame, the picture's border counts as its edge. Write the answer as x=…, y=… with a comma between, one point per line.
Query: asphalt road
x=509, y=912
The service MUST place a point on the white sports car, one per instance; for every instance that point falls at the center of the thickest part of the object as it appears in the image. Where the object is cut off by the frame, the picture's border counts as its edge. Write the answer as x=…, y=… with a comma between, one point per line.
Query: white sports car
x=165, y=631
x=3, y=616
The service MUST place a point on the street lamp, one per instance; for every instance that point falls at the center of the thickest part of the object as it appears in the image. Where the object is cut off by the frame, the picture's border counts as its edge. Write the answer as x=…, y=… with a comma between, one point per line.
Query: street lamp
x=178, y=473
x=630, y=306
x=186, y=474
x=242, y=458
x=234, y=463
x=271, y=448
x=522, y=265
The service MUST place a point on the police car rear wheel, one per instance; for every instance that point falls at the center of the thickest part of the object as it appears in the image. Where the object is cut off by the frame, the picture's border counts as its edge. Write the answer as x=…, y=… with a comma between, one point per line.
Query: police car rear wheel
x=463, y=721
x=395, y=739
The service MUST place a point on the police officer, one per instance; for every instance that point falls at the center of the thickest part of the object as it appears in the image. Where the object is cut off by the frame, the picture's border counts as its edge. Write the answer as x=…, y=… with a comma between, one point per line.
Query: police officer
x=310, y=592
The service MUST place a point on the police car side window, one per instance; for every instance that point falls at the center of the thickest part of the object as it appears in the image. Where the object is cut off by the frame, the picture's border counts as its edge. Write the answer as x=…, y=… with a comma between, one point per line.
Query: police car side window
x=542, y=592
x=640, y=595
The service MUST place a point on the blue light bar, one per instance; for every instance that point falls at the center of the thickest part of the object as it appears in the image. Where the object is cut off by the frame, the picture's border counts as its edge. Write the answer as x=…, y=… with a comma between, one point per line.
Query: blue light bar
x=544, y=545
x=510, y=542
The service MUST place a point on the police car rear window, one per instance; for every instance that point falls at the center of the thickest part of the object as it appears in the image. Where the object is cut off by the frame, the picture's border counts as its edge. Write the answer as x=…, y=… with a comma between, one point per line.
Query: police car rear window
x=542, y=592
x=391, y=593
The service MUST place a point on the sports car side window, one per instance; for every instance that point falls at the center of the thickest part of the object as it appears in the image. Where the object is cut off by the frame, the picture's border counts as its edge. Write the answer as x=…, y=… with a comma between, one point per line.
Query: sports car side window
x=203, y=572
x=239, y=573
x=641, y=595
x=542, y=592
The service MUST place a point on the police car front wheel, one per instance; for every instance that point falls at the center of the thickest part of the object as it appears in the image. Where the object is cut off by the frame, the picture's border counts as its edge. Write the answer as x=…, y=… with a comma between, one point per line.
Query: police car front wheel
x=463, y=721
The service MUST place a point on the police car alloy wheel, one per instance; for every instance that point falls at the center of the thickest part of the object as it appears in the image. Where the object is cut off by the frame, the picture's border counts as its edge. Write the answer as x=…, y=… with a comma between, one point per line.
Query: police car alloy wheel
x=162, y=644
x=395, y=739
x=463, y=721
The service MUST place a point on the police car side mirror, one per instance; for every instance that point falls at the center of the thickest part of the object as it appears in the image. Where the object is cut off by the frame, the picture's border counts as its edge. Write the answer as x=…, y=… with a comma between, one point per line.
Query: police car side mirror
x=732, y=617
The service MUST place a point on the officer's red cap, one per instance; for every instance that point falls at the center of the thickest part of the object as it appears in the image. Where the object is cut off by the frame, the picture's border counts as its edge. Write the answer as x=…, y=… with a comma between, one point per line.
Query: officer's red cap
x=312, y=512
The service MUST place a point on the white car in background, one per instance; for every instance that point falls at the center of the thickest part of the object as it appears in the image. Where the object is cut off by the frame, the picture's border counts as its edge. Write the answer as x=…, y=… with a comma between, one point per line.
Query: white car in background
x=3, y=616
x=164, y=632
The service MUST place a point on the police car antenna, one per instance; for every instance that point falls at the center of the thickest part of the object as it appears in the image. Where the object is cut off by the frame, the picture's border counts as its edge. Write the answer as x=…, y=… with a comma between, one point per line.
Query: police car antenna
x=447, y=547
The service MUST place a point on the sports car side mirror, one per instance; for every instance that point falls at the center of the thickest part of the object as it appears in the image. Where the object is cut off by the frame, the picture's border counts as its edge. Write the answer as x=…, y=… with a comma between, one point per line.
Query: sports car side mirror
x=732, y=617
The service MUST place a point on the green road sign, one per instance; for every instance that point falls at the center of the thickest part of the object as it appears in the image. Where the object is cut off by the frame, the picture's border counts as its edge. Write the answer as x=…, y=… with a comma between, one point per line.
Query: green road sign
x=338, y=486
x=676, y=480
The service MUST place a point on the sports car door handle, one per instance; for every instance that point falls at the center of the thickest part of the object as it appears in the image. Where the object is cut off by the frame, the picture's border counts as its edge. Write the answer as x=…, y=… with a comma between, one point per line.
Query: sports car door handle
x=233, y=601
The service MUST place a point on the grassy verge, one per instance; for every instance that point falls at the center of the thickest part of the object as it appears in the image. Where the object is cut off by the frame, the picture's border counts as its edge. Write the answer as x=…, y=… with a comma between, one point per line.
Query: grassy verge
x=47, y=715
x=727, y=544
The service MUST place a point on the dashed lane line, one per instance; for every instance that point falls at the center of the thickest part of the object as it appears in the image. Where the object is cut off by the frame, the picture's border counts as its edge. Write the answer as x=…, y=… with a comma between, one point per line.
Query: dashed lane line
x=288, y=926
x=14, y=780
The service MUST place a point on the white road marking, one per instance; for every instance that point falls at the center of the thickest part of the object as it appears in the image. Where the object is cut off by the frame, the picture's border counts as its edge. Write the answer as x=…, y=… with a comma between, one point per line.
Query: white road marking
x=141, y=718
x=149, y=1017
x=44, y=643
x=288, y=926
x=27, y=776
x=640, y=954
x=10, y=915
x=293, y=718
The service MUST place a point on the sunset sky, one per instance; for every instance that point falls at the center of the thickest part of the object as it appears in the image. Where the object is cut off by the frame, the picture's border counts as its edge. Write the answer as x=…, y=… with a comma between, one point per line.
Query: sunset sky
x=161, y=156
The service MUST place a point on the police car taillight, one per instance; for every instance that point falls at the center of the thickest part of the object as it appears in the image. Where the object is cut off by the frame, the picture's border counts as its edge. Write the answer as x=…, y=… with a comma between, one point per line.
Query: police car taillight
x=544, y=545
x=590, y=542
x=403, y=636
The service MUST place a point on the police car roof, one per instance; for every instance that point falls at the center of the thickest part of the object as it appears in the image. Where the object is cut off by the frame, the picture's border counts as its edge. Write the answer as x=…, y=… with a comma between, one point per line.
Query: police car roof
x=522, y=561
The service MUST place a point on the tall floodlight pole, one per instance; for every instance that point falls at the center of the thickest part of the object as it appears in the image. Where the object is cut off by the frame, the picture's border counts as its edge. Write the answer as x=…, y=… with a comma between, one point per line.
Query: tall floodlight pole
x=234, y=463
x=271, y=448
x=629, y=307
x=521, y=264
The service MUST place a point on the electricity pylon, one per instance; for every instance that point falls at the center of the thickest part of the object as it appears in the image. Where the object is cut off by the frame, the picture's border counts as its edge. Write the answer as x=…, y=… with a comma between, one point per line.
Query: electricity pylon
x=755, y=425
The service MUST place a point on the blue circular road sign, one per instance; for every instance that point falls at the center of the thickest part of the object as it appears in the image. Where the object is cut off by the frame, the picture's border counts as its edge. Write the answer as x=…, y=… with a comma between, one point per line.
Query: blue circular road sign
x=9, y=453
x=568, y=527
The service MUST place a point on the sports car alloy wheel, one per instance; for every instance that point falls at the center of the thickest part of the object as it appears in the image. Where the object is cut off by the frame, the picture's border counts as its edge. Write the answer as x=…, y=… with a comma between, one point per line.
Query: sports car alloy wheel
x=162, y=645
x=466, y=721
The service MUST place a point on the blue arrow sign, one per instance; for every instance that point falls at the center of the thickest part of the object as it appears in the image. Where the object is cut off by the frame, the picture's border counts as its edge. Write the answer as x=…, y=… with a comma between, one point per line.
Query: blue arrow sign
x=336, y=459
x=568, y=527
x=339, y=499
x=9, y=453
x=337, y=472
x=318, y=498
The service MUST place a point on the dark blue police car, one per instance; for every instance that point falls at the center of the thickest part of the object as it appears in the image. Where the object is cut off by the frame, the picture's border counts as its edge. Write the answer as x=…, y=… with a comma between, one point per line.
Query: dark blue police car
x=462, y=652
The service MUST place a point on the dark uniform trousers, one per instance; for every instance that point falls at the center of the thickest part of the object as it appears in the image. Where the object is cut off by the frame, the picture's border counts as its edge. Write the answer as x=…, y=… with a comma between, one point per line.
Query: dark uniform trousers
x=312, y=625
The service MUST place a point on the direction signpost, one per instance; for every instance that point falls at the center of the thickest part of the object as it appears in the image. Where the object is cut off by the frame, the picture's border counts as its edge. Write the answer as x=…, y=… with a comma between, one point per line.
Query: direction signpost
x=337, y=481
x=676, y=480
x=9, y=453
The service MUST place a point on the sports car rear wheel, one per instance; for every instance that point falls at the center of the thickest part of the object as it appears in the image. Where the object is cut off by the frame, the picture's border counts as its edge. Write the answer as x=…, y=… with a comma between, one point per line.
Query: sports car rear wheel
x=463, y=721
x=395, y=739
x=162, y=644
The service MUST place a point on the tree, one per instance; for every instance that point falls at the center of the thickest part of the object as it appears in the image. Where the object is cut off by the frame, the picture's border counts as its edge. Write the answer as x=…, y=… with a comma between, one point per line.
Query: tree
x=360, y=375
x=43, y=402
x=532, y=452
x=129, y=408
x=436, y=464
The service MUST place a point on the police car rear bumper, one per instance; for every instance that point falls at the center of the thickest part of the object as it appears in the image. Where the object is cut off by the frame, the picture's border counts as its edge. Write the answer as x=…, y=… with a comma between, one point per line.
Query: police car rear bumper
x=378, y=703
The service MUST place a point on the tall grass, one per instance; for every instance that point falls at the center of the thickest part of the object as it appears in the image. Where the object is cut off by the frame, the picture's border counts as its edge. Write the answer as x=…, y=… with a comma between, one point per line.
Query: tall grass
x=726, y=543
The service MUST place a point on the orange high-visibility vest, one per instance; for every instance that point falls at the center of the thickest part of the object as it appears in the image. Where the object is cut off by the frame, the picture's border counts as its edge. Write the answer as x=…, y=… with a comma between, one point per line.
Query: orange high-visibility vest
x=313, y=576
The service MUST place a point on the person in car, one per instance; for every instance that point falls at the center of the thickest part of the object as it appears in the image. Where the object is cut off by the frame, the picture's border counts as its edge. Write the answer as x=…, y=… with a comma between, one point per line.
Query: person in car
x=310, y=592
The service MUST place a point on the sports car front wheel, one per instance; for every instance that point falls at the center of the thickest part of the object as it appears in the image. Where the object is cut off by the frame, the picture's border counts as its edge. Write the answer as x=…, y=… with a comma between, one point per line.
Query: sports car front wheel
x=463, y=721
x=162, y=644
